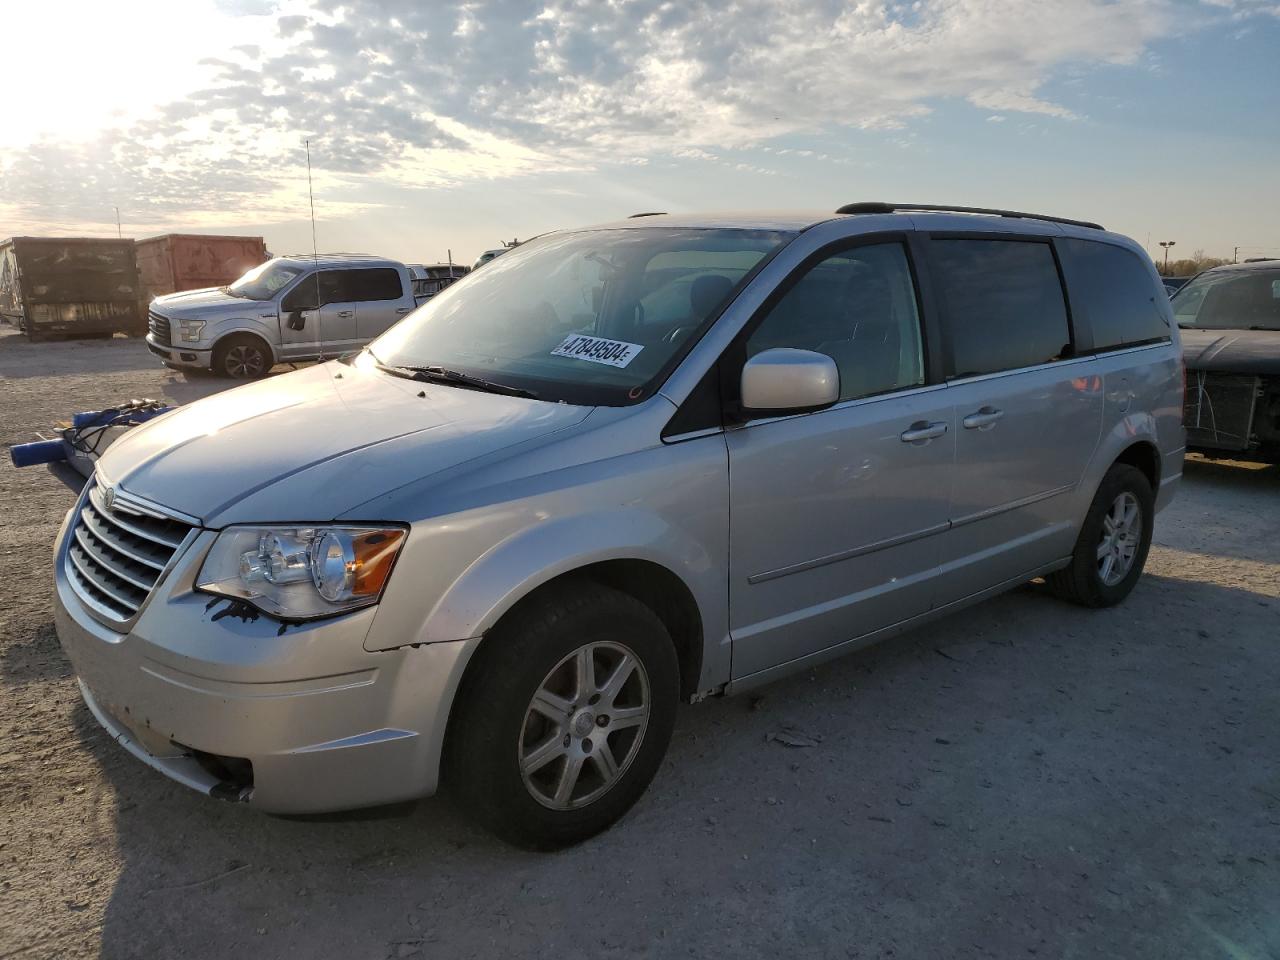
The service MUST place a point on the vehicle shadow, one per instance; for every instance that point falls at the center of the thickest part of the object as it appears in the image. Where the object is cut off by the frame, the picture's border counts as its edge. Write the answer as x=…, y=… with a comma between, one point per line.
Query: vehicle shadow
x=1024, y=748
x=38, y=659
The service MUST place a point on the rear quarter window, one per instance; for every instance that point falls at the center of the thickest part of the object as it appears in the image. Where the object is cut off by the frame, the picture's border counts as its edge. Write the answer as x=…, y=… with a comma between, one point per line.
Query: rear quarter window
x=1114, y=287
x=380, y=283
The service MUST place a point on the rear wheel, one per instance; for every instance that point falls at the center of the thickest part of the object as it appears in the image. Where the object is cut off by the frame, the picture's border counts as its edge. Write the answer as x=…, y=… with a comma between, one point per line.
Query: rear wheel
x=564, y=717
x=1112, y=547
x=242, y=357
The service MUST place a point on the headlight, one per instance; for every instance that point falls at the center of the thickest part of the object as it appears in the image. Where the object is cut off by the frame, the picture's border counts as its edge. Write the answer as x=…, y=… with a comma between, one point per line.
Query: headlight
x=300, y=573
x=191, y=330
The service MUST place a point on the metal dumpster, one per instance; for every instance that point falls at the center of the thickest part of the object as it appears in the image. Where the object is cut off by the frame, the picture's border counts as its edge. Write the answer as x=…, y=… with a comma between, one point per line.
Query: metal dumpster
x=69, y=287
x=188, y=261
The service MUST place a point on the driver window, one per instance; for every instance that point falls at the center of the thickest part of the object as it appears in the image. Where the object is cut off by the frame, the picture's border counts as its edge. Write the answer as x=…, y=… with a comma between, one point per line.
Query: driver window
x=334, y=287
x=859, y=308
x=302, y=296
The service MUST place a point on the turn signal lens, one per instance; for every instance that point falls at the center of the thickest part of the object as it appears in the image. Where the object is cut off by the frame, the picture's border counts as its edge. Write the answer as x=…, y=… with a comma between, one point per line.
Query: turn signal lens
x=346, y=564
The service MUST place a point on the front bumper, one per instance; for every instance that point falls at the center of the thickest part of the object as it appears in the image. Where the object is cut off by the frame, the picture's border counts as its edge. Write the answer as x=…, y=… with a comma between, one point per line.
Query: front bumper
x=180, y=354
x=324, y=724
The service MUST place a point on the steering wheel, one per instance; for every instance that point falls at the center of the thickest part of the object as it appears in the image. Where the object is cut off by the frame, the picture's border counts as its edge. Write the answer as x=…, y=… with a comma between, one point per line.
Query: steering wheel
x=676, y=334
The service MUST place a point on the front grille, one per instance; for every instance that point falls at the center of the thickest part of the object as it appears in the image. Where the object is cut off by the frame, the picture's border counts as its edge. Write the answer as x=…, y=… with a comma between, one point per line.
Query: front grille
x=1218, y=410
x=159, y=327
x=115, y=557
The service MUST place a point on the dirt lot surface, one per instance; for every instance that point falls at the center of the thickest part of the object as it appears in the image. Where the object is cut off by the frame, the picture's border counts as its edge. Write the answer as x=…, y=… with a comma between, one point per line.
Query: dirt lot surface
x=1026, y=778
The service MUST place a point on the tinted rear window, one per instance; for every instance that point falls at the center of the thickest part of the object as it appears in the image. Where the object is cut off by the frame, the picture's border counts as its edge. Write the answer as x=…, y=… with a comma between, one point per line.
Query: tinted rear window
x=1004, y=304
x=381, y=283
x=1115, y=288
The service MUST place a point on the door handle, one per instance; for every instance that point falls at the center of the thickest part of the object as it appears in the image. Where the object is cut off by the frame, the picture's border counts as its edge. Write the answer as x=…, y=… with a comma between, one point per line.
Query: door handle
x=401, y=311
x=922, y=431
x=984, y=419
x=345, y=314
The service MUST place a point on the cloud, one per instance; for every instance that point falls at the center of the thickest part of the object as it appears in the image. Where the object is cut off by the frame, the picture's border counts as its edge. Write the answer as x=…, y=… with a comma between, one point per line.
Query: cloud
x=438, y=93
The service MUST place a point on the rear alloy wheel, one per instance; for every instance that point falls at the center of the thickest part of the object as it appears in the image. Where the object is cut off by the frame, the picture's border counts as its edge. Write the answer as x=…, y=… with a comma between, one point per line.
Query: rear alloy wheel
x=564, y=716
x=1121, y=535
x=241, y=358
x=1111, y=549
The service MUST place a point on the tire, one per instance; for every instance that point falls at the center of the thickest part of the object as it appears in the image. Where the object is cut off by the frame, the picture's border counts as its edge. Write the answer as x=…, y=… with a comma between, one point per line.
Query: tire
x=242, y=357
x=506, y=760
x=1087, y=580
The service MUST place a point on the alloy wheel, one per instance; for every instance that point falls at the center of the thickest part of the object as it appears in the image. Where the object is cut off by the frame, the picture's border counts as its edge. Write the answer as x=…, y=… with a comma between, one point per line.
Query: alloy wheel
x=1121, y=536
x=244, y=362
x=584, y=725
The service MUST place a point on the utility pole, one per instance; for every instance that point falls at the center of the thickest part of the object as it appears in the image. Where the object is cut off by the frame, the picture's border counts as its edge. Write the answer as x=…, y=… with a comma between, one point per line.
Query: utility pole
x=1235, y=254
x=119, y=232
x=1167, y=244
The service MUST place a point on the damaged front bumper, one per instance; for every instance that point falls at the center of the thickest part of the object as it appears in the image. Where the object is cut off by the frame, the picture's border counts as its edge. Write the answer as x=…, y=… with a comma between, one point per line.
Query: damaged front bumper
x=292, y=718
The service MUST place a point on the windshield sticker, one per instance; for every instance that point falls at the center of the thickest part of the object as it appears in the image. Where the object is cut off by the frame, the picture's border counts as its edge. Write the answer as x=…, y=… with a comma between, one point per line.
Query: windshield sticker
x=598, y=350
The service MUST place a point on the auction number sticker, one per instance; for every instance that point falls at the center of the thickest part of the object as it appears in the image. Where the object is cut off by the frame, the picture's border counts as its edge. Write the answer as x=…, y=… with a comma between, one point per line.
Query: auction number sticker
x=598, y=350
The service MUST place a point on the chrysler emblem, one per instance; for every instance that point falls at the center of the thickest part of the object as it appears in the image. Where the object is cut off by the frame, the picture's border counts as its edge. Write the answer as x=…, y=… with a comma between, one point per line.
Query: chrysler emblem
x=109, y=497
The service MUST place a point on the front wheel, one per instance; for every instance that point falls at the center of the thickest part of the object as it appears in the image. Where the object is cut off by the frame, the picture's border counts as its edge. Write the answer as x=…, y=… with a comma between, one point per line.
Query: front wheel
x=564, y=717
x=242, y=357
x=1112, y=547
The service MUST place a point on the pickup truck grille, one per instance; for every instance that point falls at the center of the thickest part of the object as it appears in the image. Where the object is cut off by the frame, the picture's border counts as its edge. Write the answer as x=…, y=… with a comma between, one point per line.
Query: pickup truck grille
x=115, y=556
x=159, y=327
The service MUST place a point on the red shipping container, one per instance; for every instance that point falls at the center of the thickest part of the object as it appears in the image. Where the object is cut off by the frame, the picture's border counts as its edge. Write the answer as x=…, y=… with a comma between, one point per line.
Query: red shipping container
x=189, y=261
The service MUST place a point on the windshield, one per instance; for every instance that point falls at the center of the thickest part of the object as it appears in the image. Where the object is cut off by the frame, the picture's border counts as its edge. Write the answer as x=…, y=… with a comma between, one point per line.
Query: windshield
x=597, y=317
x=262, y=283
x=1230, y=300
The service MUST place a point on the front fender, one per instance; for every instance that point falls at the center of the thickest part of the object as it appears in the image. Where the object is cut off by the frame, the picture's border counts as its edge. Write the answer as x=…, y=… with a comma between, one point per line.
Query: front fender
x=512, y=569
x=268, y=330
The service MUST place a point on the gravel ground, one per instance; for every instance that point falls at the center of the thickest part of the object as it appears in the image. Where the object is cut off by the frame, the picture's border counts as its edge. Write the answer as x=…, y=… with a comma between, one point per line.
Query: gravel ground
x=1025, y=778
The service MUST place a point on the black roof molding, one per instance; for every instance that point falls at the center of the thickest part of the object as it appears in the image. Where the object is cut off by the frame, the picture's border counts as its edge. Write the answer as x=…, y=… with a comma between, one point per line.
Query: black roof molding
x=655, y=213
x=879, y=206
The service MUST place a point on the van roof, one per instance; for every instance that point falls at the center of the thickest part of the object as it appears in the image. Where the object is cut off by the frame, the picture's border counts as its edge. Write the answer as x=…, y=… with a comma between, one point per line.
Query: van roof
x=920, y=215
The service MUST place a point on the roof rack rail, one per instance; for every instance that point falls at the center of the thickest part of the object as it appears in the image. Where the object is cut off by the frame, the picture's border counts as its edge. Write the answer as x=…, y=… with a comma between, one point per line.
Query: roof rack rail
x=655, y=213
x=875, y=206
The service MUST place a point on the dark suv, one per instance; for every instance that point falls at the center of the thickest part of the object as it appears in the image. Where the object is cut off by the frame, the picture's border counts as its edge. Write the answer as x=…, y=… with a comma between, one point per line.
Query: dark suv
x=1230, y=317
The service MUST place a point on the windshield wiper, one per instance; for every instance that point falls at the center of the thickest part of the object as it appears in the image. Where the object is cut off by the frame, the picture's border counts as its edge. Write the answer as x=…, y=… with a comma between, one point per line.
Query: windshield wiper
x=438, y=374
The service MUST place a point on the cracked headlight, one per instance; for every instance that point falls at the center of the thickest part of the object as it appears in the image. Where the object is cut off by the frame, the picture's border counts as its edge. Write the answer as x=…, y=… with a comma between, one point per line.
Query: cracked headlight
x=301, y=573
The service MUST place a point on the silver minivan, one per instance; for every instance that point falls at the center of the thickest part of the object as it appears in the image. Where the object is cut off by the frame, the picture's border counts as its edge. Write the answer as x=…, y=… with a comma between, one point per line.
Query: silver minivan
x=620, y=467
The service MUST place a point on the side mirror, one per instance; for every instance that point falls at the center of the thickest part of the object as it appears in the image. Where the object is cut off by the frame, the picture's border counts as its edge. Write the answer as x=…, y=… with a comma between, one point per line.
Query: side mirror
x=296, y=320
x=784, y=380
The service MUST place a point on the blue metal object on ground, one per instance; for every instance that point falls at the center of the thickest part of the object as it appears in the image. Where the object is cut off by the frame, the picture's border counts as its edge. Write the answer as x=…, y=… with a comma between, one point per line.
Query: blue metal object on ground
x=85, y=431
x=39, y=451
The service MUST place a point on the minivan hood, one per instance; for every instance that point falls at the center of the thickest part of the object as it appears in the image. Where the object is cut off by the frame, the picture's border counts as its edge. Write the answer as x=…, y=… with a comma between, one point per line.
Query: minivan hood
x=1232, y=351
x=311, y=445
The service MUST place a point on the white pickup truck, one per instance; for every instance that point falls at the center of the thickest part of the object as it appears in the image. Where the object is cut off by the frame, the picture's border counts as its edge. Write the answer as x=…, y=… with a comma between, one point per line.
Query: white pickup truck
x=289, y=308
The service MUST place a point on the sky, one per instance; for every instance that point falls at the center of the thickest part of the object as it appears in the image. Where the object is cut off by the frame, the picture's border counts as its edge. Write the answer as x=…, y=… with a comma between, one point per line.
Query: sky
x=444, y=128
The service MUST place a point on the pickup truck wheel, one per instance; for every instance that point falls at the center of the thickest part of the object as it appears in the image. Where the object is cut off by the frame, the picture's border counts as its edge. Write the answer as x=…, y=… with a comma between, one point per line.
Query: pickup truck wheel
x=1112, y=547
x=564, y=716
x=241, y=357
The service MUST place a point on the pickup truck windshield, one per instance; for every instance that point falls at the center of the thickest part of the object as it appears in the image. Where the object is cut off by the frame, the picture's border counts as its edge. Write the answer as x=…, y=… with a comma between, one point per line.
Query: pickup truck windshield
x=1230, y=300
x=597, y=317
x=262, y=283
